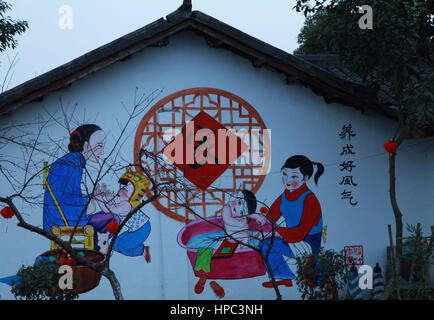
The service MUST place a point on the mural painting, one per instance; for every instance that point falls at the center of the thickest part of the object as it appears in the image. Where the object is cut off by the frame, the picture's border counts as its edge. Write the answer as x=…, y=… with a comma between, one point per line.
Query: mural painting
x=132, y=188
x=297, y=214
x=68, y=209
x=65, y=206
x=224, y=234
x=193, y=118
x=64, y=203
x=220, y=247
x=191, y=123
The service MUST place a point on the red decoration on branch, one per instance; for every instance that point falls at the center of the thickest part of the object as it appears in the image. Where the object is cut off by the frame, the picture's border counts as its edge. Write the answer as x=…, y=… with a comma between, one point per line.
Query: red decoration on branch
x=112, y=227
x=391, y=146
x=70, y=261
x=263, y=210
x=7, y=213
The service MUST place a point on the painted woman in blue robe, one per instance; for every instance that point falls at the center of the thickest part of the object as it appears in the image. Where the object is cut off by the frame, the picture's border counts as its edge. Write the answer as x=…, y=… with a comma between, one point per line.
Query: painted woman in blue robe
x=63, y=185
x=64, y=202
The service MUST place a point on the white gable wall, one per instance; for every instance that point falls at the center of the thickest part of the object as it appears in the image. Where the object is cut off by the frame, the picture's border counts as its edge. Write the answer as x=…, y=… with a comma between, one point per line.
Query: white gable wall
x=301, y=123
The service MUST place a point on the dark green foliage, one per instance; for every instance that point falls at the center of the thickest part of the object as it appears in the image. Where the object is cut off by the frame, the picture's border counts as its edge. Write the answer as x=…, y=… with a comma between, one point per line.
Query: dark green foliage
x=40, y=282
x=417, y=260
x=314, y=271
x=397, y=55
x=9, y=28
x=313, y=37
x=415, y=263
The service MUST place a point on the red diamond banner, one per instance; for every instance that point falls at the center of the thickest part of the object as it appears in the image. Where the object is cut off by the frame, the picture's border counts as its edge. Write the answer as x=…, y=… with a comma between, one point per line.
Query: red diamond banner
x=204, y=150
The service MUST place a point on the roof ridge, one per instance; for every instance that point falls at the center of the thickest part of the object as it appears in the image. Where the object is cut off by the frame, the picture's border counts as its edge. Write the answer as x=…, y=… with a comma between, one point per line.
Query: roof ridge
x=182, y=12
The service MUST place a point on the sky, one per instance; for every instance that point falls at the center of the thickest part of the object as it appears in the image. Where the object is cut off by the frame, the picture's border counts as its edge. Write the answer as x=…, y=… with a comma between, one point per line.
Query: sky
x=45, y=45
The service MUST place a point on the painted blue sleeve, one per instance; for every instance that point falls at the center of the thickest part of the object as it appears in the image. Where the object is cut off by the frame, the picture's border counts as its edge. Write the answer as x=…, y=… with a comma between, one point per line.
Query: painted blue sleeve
x=65, y=180
x=72, y=194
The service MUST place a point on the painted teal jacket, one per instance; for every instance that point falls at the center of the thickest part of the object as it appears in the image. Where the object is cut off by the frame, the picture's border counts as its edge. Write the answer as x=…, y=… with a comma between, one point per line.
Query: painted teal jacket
x=65, y=182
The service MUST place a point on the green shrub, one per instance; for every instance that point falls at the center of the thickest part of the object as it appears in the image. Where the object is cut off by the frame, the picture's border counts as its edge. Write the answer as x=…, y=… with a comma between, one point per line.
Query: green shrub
x=40, y=282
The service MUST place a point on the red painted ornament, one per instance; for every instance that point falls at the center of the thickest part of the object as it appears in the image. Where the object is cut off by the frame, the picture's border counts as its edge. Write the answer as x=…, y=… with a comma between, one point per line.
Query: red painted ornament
x=263, y=210
x=391, y=146
x=147, y=255
x=112, y=227
x=7, y=213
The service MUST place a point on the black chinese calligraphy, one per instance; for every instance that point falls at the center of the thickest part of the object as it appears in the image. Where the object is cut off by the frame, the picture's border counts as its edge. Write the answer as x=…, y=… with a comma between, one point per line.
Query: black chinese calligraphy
x=348, y=180
x=348, y=195
x=348, y=149
x=347, y=131
x=347, y=165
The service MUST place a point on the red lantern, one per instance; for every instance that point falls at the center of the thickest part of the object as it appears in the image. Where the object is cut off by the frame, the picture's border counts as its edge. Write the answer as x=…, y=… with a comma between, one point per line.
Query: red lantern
x=7, y=213
x=112, y=227
x=391, y=146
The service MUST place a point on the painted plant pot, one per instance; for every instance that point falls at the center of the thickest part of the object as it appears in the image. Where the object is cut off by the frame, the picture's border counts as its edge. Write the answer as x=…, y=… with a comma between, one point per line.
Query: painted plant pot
x=244, y=263
x=84, y=278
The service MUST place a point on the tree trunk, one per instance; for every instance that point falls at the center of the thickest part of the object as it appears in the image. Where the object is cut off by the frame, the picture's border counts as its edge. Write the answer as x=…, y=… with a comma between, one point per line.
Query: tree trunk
x=394, y=263
x=273, y=279
x=116, y=286
x=398, y=219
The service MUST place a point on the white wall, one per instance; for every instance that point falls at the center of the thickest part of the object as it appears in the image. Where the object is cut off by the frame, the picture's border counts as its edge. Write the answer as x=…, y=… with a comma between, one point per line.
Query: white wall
x=301, y=123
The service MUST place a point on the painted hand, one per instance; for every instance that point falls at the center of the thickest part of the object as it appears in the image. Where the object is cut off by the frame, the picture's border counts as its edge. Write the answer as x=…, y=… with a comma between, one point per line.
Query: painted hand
x=300, y=248
x=109, y=195
x=98, y=193
x=260, y=219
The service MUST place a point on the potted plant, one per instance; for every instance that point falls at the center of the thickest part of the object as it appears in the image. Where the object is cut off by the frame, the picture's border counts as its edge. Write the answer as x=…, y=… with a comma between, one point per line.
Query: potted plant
x=322, y=275
x=40, y=282
x=415, y=263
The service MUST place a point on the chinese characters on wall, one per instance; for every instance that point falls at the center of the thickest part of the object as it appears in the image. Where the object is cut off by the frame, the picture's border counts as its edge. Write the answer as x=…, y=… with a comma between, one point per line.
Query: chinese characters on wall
x=347, y=165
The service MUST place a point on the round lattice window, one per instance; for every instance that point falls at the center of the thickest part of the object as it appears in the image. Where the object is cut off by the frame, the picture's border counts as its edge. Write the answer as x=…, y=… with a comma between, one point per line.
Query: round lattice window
x=200, y=110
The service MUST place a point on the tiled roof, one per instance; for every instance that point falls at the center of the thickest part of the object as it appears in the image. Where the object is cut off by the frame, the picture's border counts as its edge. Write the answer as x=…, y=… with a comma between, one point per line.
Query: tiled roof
x=322, y=74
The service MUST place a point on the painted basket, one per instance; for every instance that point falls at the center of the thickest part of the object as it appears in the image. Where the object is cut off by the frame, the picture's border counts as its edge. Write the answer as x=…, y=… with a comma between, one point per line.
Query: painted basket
x=84, y=278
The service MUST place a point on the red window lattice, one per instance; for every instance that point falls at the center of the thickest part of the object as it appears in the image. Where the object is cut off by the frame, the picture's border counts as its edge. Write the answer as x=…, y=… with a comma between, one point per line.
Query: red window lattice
x=230, y=111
